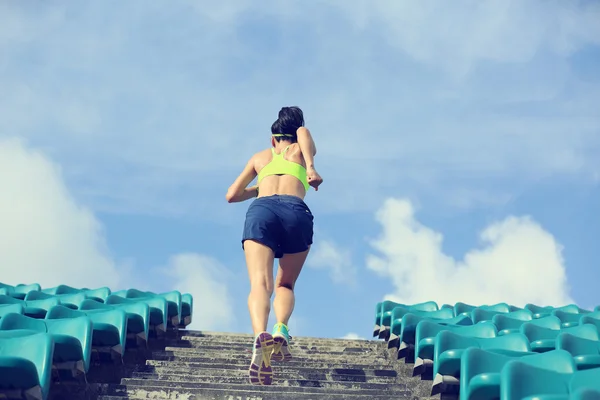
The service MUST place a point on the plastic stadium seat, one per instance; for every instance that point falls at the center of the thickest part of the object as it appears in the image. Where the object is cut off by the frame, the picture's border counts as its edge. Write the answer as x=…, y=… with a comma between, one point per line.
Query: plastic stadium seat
x=21, y=290
x=26, y=365
x=511, y=322
x=173, y=299
x=480, y=370
x=71, y=300
x=450, y=346
x=377, y=317
x=425, y=338
x=6, y=290
x=34, y=308
x=481, y=314
x=158, y=309
x=397, y=321
x=544, y=339
x=409, y=328
x=519, y=380
x=386, y=313
x=567, y=319
x=72, y=338
x=539, y=311
x=109, y=327
x=572, y=308
x=11, y=308
x=585, y=352
x=597, y=308
x=463, y=308
x=138, y=315
x=187, y=310
x=99, y=294
x=591, y=318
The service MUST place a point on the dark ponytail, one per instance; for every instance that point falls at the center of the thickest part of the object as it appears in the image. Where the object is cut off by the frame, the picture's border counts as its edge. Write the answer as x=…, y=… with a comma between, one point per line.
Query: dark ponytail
x=288, y=122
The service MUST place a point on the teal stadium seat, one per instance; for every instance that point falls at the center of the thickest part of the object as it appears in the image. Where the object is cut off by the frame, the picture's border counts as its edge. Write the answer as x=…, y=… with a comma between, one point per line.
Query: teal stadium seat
x=406, y=339
x=386, y=314
x=397, y=321
x=567, y=319
x=585, y=352
x=480, y=370
x=138, y=316
x=72, y=338
x=450, y=346
x=425, y=339
x=11, y=308
x=519, y=380
x=99, y=294
x=591, y=318
x=71, y=300
x=34, y=308
x=173, y=299
x=26, y=365
x=109, y=328
x=158, y=309
x=511, y=322
x=187, y=309
x=544, y=339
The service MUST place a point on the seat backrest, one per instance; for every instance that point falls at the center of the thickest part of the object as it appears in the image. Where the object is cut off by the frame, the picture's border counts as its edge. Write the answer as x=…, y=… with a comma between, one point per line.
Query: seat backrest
x=535, y=332
x=514, y=342
x=460, y=308
x=60, y=311
x=504, y=321
x=554, y=360
x=576, y=345
x=483, y=314
x=13, y=321
x=9, y=300
x=585, y=331
x=35, y=295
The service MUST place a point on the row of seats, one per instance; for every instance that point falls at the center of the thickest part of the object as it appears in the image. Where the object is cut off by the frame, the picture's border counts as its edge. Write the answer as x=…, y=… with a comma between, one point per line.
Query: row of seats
x=497, y=351
x=55, y=331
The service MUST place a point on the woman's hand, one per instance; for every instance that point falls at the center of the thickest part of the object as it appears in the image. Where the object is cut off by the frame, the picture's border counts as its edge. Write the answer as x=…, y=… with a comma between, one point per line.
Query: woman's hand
x=314, y=179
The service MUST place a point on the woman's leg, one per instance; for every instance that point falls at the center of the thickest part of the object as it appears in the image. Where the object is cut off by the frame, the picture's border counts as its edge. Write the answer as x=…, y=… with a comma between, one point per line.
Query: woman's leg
x=290, y=266
x=259, y=260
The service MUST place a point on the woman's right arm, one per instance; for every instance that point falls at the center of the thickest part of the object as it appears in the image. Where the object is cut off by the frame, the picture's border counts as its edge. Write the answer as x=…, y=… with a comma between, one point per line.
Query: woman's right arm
x=307, y=146
x=309, y=150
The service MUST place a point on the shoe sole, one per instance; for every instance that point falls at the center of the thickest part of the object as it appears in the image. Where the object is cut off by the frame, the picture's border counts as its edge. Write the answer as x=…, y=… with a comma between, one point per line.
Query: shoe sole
x=260, y=371
x=281, y=350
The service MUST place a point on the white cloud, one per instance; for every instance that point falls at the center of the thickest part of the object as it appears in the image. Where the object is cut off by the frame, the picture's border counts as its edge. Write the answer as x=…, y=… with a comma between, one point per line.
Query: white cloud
x=352, y=336
x=175, y=118
x=46, y=236
x=517, y=262
x=330, y=257
x=206, y=279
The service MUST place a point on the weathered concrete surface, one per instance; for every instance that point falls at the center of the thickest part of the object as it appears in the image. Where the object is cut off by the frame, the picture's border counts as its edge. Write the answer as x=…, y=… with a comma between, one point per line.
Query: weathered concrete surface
x=210, y=365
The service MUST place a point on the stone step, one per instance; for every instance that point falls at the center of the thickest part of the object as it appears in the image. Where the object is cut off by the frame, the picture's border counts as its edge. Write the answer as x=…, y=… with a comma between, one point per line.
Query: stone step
x=176, y=357
x=294, y=344
x=356, y=375
x=208, y=363
x=217, y=394
x=296, y=352
x=174, y=390
x=295, y=340
x=278, y=379
x=196, y=336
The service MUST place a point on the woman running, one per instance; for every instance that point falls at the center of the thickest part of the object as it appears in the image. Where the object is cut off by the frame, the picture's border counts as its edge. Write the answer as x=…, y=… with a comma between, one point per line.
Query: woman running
x=278, y=225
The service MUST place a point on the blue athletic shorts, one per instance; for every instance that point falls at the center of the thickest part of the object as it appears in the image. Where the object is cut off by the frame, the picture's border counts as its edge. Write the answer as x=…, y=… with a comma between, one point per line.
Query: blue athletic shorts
x=282, y=222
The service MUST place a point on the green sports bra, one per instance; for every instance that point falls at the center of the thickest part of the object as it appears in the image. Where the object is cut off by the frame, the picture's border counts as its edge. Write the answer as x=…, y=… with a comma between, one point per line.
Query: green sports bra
x=281, y=166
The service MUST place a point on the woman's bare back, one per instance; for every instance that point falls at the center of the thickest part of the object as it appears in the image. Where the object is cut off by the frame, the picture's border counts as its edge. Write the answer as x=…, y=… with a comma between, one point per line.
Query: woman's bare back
x=280, y=184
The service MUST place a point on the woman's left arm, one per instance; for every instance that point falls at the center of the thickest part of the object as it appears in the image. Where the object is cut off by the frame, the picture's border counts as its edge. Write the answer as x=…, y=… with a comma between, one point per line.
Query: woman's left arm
x=238, y=191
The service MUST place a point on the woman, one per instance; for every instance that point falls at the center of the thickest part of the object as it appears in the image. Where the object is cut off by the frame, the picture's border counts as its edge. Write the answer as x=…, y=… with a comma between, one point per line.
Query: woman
x=278, y=225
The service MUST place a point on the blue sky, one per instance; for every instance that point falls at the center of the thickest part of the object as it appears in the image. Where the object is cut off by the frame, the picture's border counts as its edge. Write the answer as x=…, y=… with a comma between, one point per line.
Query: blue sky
x=460, y=147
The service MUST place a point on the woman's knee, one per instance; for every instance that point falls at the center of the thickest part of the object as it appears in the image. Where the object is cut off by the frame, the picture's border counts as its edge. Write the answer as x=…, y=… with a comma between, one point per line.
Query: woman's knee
x=285, y=286
x=262, y=285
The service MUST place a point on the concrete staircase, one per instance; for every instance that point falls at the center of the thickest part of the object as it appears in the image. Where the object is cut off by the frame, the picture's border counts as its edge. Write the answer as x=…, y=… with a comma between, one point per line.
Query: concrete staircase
x=212, y=365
